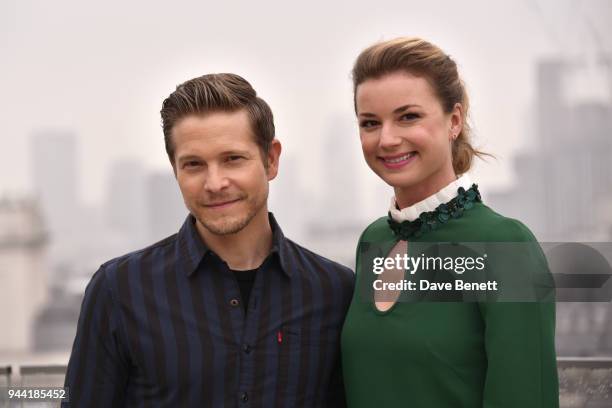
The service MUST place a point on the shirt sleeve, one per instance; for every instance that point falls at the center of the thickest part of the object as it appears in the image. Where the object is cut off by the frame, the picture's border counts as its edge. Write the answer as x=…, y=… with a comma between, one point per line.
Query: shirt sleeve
x=98, y=369
x=520, y=336
x=336, y=395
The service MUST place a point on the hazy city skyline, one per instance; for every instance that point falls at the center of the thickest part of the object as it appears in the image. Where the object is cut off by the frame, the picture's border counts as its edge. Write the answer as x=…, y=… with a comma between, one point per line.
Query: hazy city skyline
x=102, y=71
x=83, y=166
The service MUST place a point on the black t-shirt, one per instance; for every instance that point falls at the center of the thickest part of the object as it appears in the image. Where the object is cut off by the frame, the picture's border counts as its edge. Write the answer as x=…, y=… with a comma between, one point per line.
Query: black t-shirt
x=245, y=282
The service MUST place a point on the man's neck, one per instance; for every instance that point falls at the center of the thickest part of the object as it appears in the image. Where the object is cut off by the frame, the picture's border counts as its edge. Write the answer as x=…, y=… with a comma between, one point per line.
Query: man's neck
x=247, y=248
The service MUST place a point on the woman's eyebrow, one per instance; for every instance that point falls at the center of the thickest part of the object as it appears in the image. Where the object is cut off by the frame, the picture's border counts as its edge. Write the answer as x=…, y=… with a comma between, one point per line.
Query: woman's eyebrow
x=395, y=111
x=405, y=107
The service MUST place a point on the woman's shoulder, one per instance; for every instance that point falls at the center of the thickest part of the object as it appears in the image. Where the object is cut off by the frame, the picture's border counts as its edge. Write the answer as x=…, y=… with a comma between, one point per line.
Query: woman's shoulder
x=497, y=227
x=376, y=230
x=480, y=223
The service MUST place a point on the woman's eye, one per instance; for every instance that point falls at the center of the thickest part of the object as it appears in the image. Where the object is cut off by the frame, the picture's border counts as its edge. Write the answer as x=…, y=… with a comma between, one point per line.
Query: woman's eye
x=410, y=116
x=368, y=123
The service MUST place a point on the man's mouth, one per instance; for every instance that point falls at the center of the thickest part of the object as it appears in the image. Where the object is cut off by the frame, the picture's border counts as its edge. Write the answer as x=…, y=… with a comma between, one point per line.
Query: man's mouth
x=221, y=204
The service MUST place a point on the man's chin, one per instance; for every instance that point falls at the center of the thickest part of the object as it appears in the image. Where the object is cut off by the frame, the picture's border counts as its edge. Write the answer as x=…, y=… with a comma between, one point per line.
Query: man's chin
x=224, y=225
x=228, y=221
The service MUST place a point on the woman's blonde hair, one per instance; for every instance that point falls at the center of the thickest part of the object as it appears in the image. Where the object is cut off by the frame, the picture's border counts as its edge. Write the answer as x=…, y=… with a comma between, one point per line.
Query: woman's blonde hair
x=419, y=57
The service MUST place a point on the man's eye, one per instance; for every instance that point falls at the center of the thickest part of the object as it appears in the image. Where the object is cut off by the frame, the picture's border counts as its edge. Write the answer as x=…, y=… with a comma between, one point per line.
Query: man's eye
x=368, y=124
x=234, y=158
x=191, y=163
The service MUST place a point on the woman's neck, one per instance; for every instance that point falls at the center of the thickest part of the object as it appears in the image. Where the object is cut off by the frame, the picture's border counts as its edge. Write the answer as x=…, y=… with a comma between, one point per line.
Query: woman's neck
x=407, y=196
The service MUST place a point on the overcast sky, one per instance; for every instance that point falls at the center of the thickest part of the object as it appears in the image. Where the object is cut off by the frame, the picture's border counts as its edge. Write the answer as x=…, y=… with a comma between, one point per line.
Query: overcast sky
x=102, y=69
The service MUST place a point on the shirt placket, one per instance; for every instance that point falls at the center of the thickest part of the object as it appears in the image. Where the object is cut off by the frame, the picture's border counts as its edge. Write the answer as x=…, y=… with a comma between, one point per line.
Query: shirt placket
x=248, y=323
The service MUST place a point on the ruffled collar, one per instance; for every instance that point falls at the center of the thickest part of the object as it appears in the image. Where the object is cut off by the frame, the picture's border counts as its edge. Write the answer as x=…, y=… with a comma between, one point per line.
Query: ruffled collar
x=446, y=194
x=441, y=214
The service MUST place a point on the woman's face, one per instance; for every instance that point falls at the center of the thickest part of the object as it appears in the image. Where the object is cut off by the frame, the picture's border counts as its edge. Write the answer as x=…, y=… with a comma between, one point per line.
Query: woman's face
x=405, y=134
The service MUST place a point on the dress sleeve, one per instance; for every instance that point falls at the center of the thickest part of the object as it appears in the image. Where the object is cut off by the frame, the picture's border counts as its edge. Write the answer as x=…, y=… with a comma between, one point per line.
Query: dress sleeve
x=98, y=368
x=519, y=343
x=520, y=336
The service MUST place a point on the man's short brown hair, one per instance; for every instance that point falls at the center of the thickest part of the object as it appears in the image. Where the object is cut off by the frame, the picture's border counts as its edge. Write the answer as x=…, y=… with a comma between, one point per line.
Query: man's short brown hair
x=217, y=93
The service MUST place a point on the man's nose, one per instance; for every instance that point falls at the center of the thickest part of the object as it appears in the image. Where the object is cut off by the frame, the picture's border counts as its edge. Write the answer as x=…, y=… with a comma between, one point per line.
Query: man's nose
x=216, y=180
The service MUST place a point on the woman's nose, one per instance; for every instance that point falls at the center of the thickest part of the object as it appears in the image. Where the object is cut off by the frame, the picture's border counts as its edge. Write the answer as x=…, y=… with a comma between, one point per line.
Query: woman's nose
x=389, y=137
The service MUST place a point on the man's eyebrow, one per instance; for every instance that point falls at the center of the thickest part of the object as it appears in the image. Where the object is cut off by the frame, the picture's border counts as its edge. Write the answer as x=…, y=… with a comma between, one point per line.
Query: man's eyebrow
x=367, y=115
x=396, y=111
x=189, y=157
x=229, y=152
x=234, y=151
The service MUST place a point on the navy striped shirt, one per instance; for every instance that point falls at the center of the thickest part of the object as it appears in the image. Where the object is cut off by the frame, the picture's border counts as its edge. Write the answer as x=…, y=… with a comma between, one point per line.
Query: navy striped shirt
x=164, y=327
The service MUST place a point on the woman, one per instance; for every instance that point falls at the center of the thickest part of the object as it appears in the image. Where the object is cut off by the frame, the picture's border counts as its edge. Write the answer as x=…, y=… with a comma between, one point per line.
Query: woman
x=411, y=107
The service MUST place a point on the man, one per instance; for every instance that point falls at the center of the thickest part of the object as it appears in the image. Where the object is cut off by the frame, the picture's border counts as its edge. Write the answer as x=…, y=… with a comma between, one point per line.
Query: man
x=227, y=312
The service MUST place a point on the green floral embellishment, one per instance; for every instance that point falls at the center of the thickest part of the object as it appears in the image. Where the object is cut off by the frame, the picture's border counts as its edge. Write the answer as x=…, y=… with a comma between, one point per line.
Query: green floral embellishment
x=431, y=220
x=442, y=208
x=443, y=217
x=458, y=212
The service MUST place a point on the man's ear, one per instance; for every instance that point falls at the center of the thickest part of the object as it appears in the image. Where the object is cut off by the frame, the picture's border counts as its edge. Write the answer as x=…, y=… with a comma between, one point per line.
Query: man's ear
x=273, y=158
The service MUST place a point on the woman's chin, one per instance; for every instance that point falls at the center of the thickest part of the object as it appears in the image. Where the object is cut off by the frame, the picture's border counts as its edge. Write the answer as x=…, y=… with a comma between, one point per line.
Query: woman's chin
x=400, y=180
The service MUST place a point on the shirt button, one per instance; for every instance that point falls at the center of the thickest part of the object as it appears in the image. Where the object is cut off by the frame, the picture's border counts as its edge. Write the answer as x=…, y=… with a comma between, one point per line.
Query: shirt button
x=246, y=348
x=234, y=302
x=244, y=397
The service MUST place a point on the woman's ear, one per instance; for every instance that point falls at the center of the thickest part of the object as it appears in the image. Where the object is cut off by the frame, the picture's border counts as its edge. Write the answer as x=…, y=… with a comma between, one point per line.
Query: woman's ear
x=456, y=121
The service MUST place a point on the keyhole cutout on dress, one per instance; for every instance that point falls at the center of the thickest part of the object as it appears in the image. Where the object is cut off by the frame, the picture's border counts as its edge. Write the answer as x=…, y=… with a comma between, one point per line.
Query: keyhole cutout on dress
x=385, y=299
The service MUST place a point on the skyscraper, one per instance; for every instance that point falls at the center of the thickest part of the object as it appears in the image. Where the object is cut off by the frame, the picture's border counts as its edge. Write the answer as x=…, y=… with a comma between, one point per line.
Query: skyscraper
x=126, y=210
x=55, y=183
x=564, y=192
x=166, y=210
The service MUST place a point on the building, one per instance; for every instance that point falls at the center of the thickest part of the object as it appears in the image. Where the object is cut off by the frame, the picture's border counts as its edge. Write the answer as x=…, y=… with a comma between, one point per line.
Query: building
x=23, y=272
x=126, y=210
x=564, y=182
x=165, y=208
x=55, y=183
x=564, y=192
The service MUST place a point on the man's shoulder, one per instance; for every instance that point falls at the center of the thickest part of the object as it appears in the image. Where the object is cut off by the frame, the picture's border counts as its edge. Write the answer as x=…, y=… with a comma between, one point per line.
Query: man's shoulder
x=139, y=256
x=312, y=259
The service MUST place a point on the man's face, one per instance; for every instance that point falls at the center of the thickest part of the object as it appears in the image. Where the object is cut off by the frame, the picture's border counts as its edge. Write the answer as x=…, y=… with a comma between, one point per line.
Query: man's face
x=220, y=169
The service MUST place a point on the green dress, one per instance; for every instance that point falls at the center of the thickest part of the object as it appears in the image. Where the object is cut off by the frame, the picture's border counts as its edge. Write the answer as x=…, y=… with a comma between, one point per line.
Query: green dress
x=459, y=354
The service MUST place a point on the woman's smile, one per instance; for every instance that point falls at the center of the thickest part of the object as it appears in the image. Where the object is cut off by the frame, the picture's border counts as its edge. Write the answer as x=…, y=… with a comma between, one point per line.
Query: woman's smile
x=398, y=161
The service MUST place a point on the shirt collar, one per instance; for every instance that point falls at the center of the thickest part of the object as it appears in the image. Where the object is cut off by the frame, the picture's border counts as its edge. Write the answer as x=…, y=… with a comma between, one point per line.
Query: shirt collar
x=446, y=194
x=193, y=249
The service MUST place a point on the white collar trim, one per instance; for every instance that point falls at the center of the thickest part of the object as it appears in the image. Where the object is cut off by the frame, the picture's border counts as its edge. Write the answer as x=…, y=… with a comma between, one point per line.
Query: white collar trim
x=430, y=203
